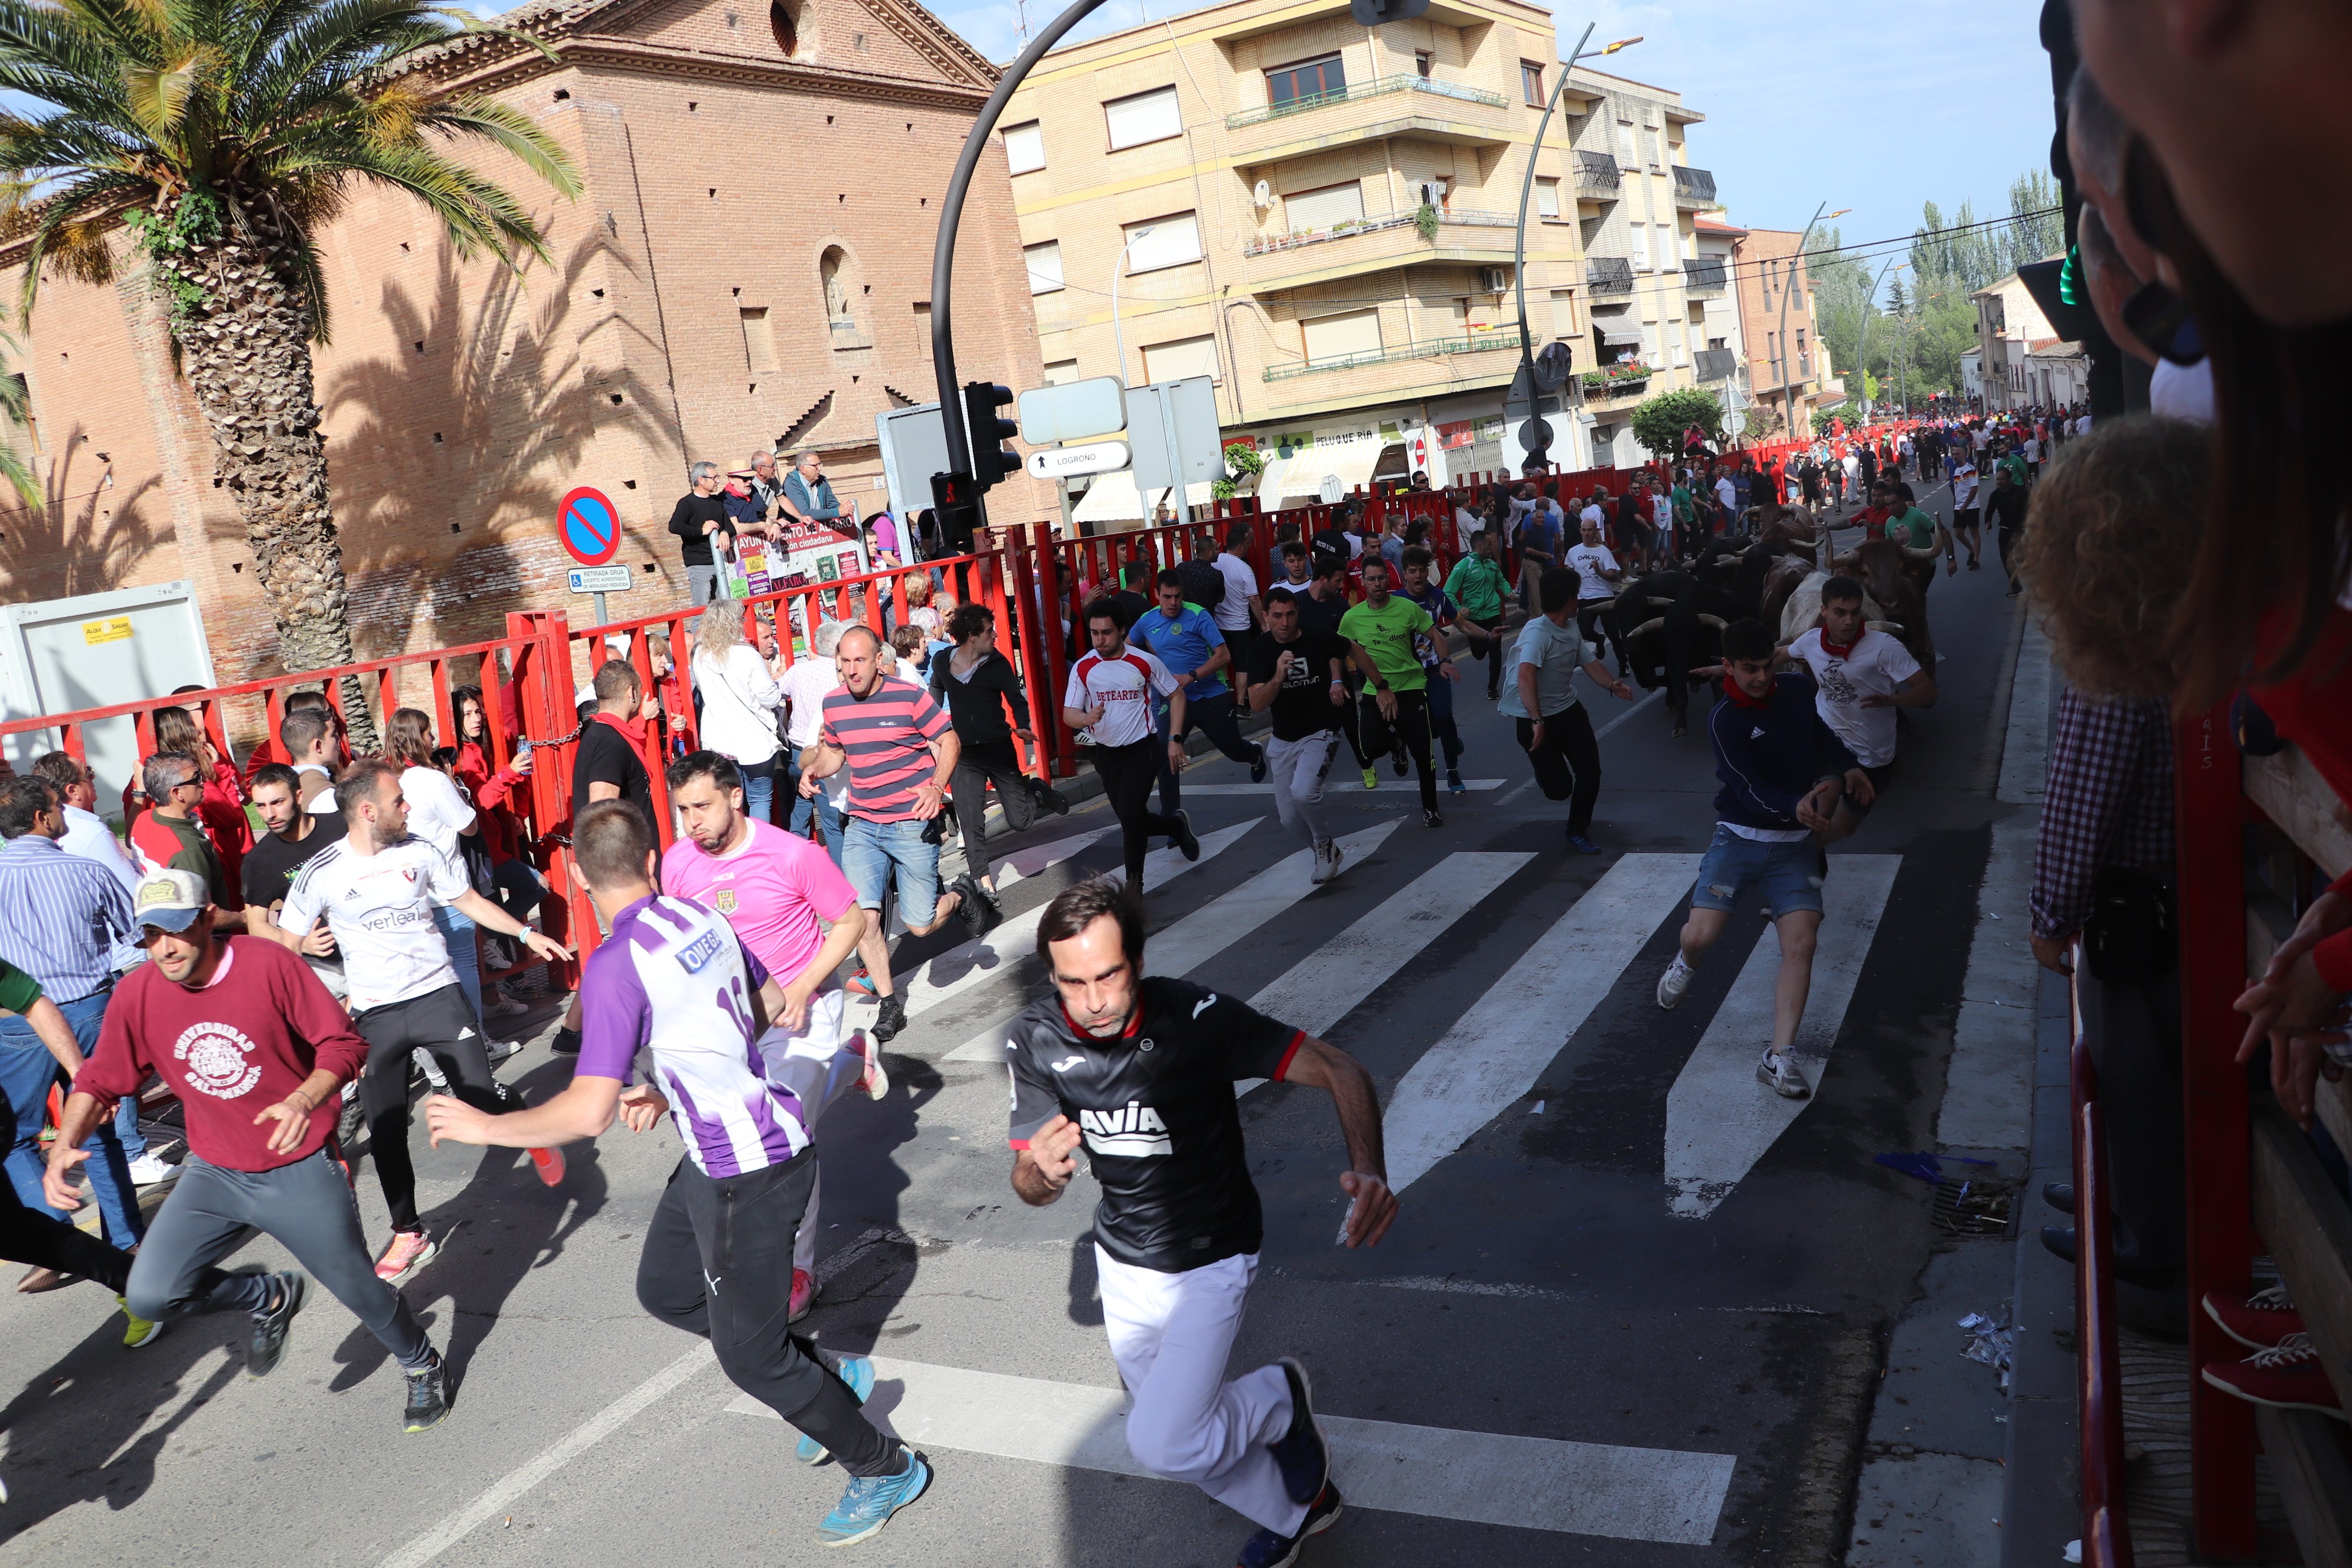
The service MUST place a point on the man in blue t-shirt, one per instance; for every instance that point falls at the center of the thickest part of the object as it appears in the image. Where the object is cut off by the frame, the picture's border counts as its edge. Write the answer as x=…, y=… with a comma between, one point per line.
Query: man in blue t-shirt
x=1188, y=642
x=1441, y=610
x=1786, y=777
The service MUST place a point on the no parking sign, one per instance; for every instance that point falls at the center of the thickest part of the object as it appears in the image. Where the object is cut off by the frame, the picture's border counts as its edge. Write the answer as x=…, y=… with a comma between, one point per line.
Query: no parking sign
x=588, y=526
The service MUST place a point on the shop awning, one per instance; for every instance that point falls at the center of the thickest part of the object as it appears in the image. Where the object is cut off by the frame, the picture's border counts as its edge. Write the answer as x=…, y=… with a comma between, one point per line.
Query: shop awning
x=1113, y=498
x=1352, y=464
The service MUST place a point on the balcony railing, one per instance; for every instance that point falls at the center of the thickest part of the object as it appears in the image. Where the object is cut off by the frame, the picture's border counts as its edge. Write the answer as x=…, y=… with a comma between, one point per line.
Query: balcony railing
x=1265, y=244
x=1359, y=89
x=1426, y=348
x=1613, y=380
x=1704, y=274
x=1596, y=174
x=1609, y=274
x=1694, y=187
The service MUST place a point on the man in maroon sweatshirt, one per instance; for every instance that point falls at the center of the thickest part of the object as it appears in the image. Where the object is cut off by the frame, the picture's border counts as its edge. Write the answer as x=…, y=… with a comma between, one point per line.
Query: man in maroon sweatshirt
x=250, y=1041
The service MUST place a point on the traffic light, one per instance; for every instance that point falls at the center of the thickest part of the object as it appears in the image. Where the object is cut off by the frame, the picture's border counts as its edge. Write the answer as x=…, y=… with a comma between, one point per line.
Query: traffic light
x=955, y=500
x=990, y=460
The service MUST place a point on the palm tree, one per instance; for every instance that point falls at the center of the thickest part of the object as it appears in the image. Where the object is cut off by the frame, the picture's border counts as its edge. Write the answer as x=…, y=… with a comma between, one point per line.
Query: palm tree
x=226, y=134
x=16, y=409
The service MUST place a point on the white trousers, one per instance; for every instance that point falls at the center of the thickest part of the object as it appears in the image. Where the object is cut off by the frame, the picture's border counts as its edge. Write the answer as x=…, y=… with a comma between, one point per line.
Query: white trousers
x=815, y=1066
x=1170, y=1334
x=1299, y=768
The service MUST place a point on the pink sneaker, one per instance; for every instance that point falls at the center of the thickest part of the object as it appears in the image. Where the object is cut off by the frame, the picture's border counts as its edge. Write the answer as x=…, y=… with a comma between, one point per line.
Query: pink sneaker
x=873, y=1081
x=804, y=1295
x=551, y=1165
x=410, y=1251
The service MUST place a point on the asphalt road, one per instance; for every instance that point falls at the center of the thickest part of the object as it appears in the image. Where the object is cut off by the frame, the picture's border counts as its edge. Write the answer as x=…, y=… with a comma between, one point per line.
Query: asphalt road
x=1632, y=1312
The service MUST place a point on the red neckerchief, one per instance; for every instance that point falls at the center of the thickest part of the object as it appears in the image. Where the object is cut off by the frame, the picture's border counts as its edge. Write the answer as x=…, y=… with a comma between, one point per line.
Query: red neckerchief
x=1835, y=651
x=634, y=729
x=1731, y=689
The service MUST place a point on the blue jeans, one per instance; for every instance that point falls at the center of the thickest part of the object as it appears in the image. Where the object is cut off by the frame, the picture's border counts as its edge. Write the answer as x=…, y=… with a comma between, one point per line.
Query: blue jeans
x=836, y=823
x=873, y=853
x=1789, y=871
x=26, y=1071
x=759, y=789
x=458, y=930
x=1441, y=720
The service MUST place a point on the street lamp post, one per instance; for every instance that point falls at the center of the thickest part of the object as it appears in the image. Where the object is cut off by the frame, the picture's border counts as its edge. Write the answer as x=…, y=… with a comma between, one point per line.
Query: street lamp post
x=1781, y=360
x=1862, y=348
x=1118, y=334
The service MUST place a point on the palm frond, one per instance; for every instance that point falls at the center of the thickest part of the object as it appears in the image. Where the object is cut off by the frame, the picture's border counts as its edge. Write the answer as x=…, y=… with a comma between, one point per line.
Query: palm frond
x=69, y=232
x=488, y=120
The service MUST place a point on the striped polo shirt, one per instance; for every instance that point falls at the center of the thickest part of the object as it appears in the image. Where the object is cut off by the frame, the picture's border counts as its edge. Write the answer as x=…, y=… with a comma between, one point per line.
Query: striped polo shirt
x=888, y=737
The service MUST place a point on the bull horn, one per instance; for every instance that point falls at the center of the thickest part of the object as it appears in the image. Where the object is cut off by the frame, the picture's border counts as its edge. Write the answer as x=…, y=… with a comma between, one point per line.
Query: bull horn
x=1842, y=562
x=1801, y=546
x=1647, y=628
x=1894, y=626
x=1717, y=622
x=1920, y=552
x=1667, y=604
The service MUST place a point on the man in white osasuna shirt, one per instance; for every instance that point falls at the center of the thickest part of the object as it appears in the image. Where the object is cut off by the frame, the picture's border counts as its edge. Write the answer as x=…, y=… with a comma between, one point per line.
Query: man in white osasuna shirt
x=1597, y=574
x=1968, y=517
x=1240, y=615
x=1861, y=677
x=376, y=889
x=1108, y=703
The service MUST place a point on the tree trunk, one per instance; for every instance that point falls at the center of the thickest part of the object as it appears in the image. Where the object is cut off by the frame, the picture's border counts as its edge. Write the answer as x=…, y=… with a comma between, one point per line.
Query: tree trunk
x=245, y=349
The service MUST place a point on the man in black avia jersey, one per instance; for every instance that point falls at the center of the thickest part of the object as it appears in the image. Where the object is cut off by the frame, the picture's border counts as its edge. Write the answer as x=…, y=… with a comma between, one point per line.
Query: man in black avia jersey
x=1147, y=1069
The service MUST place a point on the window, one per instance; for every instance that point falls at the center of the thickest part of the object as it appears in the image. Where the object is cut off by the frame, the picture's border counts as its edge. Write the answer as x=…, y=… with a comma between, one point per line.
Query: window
x=1641, y=247
x=1162, y=242
x=1532, y=82
x=1045, y=267
x=1563, y=312
x=1649, y=343
x=1625, y=154
x=1308, y=81
x=758, y=339
x=1324, y=206
x=1024, y=147
x=1061, y=373
x=784, y=22
x=1331, y=338
x=1146, y=116
x=1185, y=356
x=923, y=328
x=839, y=276
x=1422, y=62
x=1547, y=197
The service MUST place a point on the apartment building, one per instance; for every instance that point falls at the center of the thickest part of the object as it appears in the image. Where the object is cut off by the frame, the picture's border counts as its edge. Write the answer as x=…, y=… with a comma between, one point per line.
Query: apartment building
x=1787, y=363
x=1321, y=217
x=1637, y=200
x=1719, y=353
x=2023, y=360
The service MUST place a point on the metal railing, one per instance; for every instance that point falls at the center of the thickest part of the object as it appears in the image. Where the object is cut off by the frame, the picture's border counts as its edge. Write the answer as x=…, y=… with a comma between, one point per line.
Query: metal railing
x=1424, y=348
x=1360, y=90
x=1596, y=174
x=1265, y=244
x=1609, y=274
x=1704, y=274
x=1694, y=187
x=1612, y=381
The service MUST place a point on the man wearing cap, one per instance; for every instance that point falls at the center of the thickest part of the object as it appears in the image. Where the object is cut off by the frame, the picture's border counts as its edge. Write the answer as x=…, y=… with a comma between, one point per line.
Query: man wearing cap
x=255, y=1049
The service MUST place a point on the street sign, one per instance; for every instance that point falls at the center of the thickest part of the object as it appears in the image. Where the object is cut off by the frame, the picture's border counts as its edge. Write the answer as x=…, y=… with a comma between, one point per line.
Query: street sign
x=1175, y=440
x=588, y=526
x=1074, y=411
x=601, y=579
x=1069, y=462
x=1333, y=493
x=914, y=442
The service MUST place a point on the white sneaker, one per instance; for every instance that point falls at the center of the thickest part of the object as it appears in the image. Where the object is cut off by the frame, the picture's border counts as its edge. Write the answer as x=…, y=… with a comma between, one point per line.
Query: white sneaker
x=498, y=1005
x=499, y=1050
x=430, y=1068
x=1674, y=982
x=1779, y=1072
x=147, y=1170
x=1326, y=861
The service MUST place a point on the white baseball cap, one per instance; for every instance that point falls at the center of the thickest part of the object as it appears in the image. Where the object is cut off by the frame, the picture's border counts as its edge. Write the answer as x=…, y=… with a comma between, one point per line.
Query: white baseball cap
x=171, y=900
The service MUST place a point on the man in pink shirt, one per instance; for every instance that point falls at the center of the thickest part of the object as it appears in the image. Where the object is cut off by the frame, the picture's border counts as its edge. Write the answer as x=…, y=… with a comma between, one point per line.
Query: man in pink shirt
x=794, y=909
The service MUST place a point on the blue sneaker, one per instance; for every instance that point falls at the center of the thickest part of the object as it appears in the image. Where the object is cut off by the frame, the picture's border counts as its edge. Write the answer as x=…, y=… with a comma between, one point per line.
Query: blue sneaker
x=858, y=1373
x=1581, y=845
x=1268, y=1550
x=868, y=1501
x=1301, y=1453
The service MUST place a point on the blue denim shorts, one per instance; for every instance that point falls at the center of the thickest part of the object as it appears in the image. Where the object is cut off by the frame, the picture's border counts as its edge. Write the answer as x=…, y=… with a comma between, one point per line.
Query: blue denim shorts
x=872, y=852
x=1790, y=873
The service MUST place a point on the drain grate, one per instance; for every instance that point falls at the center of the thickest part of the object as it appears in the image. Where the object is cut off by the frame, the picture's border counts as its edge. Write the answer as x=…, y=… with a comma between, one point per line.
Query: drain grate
x=1972, y=1208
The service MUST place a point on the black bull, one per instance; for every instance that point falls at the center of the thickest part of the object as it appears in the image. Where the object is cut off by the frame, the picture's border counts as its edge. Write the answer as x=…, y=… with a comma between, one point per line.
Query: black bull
x=1667, y=624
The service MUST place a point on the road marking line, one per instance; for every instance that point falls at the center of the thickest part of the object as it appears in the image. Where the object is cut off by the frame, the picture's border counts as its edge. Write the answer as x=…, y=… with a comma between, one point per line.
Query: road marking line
x=1212, y=928
x=1039, y=858
x=1720, y=1119
x=1482, y=1478
x=1603, y=733
x=457, y=1525
x=1500, y=1048
x=1334, y=980
x=1334, y=794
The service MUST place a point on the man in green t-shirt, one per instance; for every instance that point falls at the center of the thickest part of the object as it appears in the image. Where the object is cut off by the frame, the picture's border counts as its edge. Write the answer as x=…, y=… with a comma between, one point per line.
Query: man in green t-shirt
x=1384, y=634
x=1908, y=525
x=2013, y=462
x=1477, y=585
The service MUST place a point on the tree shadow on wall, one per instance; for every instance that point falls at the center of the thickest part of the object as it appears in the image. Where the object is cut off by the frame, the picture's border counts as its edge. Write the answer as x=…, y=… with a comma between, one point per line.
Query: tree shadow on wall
x=90, y=534
x=498, y=410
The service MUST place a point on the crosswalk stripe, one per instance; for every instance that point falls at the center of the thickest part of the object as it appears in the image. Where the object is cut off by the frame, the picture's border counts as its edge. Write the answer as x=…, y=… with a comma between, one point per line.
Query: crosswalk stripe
x=1720, y=1119
x=1329, y=983
x=968, y=964
x=1212, y=928
x=1336, y=791
x=1501, y=1045
x=1039, y=858
x=1433, y=1472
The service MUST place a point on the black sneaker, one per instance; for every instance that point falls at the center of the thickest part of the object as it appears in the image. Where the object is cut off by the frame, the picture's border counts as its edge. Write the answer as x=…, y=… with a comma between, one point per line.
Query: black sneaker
x=1397, y=760
x=265, y=1346
x=1188, y=843
x=428, y=1399
x=892, y=1018
x=566, y=1043
x=1048, y=798
x=1302, y=1455
x=1429, y=818
x=1268, y=1550
x=979, y=916
x=1257, y=767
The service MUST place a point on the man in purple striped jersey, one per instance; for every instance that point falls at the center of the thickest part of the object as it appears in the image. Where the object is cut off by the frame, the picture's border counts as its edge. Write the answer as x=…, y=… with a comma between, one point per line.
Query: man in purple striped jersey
x=901, y=751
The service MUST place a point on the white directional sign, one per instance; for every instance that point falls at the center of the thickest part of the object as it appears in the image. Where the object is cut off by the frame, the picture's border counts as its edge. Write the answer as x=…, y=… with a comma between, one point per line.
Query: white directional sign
x=1074, y=411
x=1069, y=462
x=600, y=579
x=1332, y=491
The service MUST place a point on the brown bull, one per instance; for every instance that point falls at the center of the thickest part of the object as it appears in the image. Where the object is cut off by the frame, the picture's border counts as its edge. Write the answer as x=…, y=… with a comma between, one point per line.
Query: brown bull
x=1898, y=576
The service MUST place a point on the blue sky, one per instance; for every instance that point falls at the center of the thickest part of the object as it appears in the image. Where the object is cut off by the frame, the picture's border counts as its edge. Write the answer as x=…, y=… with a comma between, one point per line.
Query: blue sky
x=1878, y=107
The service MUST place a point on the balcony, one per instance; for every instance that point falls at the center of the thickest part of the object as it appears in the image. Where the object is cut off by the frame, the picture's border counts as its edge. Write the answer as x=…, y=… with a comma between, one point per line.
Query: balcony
x=1704, y=274
x=1694, y=189
x=1378, y=243
x=1392, y=354
x=1609, y=274
x=1423, y=108
x=1596, y=176
x=1616, y=380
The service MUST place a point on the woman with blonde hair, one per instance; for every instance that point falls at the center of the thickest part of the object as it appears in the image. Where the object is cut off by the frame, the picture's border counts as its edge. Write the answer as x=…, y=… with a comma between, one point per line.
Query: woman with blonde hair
x=740, y=704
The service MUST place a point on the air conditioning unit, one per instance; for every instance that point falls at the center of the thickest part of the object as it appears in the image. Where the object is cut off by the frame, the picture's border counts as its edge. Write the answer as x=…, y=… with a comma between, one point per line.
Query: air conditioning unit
x=1496, y=278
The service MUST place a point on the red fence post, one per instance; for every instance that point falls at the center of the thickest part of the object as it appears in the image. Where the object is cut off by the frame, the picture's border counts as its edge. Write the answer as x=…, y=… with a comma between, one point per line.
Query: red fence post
x=1051, y=602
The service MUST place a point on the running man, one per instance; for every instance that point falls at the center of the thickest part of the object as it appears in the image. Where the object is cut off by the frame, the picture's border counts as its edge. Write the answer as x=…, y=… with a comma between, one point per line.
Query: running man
x=2007, y=505
x=788, y=903
x=1382, y=633
x=1968, y=517
x=1552, y=727
x=1786, y=777
x=255, y=1049
x=376, y=888
x=1178, y=1227
x=1477, y=584
x=716, y=1260
x=1861, y=677
x=1108, y=704
x=1296, y=671
x=1598, y=576
x=1419, y=590
x=1187, y=639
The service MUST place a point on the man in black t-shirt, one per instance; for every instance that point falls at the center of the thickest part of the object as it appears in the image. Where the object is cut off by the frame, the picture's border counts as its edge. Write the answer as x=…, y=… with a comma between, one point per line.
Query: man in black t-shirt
x=609, y=765
x=1143, y=1072
x=1297, y=671
x=700, y=520
x=294, y=836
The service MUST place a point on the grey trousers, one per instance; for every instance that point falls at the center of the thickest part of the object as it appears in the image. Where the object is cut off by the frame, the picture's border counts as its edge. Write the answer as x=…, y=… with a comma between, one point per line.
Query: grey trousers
x=308, y=1206
x=1296, y=768
x=701, y=582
